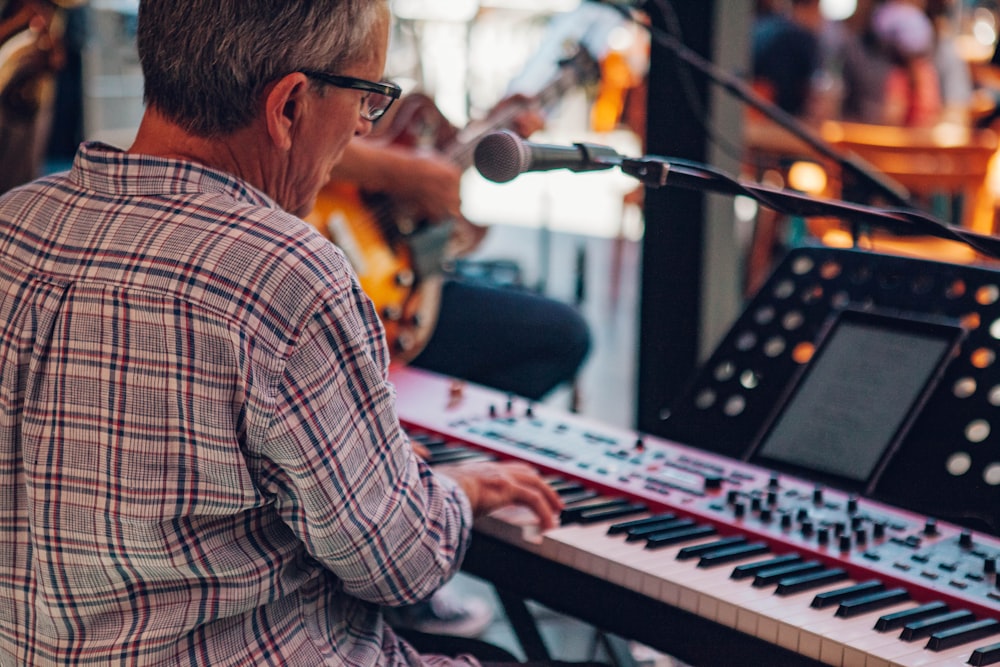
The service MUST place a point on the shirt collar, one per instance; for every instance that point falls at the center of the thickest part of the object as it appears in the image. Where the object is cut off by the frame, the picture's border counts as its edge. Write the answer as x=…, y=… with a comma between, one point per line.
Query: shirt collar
x=102, y=168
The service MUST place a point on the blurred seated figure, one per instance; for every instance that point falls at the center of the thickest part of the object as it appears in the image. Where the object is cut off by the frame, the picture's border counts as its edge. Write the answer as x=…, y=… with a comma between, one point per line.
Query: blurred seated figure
x=888, y=70
x=787, y=55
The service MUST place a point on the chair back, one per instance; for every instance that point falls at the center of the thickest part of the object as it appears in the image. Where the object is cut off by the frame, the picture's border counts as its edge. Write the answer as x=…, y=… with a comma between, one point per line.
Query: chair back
x=949, y=160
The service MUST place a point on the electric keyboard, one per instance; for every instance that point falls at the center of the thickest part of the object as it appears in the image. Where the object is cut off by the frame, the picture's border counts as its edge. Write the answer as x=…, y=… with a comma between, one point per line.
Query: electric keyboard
x=709, y=558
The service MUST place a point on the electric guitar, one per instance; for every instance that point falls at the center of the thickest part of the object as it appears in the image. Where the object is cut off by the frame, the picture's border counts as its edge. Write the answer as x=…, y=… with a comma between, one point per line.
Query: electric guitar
x=400, y=260
x=31, y=52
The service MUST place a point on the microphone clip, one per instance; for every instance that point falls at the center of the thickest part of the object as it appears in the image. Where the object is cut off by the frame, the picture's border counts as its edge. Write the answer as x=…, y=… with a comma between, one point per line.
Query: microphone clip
x=650, y=172
x=596, y=157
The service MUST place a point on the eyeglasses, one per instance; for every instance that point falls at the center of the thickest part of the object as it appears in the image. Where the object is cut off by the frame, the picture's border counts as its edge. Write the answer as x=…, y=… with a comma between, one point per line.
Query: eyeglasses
x=377, y=99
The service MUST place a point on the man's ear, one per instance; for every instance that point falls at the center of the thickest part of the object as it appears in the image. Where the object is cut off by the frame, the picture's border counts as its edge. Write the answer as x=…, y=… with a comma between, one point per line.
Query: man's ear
x=283, y=106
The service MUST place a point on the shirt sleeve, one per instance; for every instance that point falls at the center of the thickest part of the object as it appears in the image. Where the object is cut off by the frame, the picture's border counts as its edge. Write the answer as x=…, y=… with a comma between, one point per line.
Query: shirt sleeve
x=345, y=478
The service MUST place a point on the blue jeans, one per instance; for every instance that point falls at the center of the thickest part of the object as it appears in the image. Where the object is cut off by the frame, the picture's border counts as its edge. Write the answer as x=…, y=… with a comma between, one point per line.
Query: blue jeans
x=507, y=338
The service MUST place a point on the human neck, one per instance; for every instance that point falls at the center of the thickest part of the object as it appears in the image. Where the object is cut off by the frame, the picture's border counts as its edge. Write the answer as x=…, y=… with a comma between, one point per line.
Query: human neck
x=234, y=154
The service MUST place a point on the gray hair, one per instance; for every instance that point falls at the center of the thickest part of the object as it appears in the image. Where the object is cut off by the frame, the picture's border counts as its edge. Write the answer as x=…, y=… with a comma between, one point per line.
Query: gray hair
x=206, y=62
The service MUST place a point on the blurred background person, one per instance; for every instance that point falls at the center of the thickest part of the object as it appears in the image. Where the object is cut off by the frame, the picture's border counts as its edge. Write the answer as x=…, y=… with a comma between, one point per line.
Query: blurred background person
x=954, y=73
x=887, y=66
x=786, y=57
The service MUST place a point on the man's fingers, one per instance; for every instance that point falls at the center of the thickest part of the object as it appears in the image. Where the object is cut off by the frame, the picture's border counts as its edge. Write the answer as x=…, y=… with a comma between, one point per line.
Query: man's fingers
x=421, y=450
x=491, y=486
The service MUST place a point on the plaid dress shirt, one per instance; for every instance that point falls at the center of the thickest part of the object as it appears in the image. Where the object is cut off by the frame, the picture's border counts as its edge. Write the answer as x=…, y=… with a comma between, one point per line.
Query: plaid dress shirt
x=200, y=459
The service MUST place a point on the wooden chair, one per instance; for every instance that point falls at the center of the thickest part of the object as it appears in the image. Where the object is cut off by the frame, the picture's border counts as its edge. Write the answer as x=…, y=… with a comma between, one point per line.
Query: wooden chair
x=946, y=160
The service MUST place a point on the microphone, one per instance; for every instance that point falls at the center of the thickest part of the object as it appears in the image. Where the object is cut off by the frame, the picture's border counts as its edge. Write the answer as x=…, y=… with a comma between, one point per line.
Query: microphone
x=503, y=156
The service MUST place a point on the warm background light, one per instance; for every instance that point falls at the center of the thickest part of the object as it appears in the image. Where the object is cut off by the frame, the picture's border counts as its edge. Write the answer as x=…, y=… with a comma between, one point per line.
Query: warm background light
x=807, y=177
x=838, y=10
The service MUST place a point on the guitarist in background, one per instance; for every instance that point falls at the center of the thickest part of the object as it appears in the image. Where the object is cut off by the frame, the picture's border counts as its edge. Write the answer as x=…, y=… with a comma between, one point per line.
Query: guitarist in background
x=506, y=338
x=509, y=339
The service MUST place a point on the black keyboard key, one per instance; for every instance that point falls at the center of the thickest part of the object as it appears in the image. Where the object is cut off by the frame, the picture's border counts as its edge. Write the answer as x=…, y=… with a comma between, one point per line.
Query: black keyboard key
x=776, y=574
x=427, y=440
x=671, y=537
x=456, y=455
x=572, y=514
x=577, y=497
x=928, y=626
x=901, y=618
x=867, y=603
x=803, y=582
x=608, y=513
x=728, y=555
x=748, y=570
x=830, y=598
x=566, y=486
x=626, y=526
x=695, y=551
x=985, y=655
x=963, y=634
x=643, y=532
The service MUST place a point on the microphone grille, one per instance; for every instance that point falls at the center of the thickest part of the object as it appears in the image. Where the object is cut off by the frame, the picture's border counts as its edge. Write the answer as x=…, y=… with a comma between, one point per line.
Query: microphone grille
x=502, y=156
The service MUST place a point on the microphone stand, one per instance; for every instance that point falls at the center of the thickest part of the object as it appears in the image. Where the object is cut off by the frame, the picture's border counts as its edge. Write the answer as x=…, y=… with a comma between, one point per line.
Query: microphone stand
x=657, y=172
x=502, y=156
x=854, y=169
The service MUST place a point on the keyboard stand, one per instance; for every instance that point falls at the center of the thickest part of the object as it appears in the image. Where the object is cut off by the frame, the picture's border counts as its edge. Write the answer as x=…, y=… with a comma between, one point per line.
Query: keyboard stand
x=525, y=628
x=522, y=622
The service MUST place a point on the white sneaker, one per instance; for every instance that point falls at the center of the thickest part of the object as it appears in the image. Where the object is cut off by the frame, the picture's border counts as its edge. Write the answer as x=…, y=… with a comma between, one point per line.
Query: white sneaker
x=444, y=614
x=645, y=656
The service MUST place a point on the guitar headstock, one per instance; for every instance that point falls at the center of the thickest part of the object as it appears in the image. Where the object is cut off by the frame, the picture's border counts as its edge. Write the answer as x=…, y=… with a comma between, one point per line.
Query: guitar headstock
x=580, y=64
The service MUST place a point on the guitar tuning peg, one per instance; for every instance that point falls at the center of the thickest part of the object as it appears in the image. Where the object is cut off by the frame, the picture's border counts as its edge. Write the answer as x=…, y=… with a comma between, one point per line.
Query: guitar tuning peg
x=404, y=341
x=392, y=313
x=404, y=278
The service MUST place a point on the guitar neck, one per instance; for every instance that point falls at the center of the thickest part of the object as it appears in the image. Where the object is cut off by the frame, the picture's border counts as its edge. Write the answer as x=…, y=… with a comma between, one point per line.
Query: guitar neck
x=572, y=72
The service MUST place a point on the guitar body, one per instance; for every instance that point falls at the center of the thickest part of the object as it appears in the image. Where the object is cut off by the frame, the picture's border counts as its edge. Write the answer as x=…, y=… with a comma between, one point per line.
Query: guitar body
x=398, y=257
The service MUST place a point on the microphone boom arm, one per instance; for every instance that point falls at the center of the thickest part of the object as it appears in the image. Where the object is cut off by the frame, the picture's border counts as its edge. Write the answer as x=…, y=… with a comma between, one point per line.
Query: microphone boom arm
x=659, y=172
x=502, y=156
x=596, y=157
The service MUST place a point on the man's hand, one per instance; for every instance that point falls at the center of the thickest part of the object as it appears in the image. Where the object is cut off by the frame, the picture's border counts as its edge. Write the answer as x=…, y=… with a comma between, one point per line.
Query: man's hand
x=427, y=182
x=430, y=183
x=420, y=450
x=528, y=119
x=492, y=485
